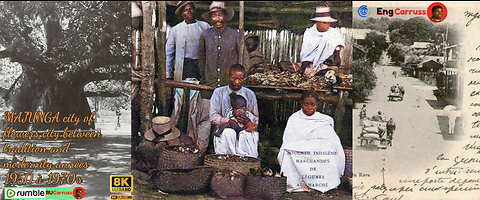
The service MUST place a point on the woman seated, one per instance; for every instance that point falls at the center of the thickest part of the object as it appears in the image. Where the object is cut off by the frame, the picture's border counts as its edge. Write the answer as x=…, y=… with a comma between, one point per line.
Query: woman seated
x=311, y=156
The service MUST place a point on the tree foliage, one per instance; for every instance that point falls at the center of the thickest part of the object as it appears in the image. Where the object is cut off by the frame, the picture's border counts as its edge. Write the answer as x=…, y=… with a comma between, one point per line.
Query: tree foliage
x=72, y=38
x=375, y=45
x=397, y=52
x=434, y=50
x=417, y=29
x=364, y=80
x=61, y=47
x=381, y=24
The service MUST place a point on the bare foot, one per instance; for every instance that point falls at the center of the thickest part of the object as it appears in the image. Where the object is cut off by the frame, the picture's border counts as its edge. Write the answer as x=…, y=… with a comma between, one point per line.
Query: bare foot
x=305, y=187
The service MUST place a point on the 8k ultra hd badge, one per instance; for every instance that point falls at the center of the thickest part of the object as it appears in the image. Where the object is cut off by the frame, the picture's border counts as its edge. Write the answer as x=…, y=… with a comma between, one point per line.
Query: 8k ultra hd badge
x=121, y=183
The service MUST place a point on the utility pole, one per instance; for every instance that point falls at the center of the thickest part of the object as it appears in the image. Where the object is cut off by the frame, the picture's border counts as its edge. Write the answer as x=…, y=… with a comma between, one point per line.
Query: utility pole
x=445, y=84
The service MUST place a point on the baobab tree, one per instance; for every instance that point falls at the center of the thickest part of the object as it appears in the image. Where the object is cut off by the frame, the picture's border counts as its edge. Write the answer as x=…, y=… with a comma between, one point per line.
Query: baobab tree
x=61, y=47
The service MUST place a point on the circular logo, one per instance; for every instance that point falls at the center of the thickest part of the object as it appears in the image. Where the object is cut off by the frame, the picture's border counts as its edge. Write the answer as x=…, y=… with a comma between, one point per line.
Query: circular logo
x=10, y=193
x=437, y=12
x=78, y=193
x=363, y=11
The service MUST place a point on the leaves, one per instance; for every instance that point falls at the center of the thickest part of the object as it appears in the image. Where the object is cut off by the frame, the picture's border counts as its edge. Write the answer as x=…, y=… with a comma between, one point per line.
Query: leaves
x=84, y=27
x=397, y=52
x=417, y=29
x=364, y=80
x=68, y=41
x=376, y=44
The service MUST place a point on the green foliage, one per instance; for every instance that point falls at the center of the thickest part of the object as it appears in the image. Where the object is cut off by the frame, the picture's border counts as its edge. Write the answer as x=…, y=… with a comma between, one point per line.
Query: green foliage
x=364, y=80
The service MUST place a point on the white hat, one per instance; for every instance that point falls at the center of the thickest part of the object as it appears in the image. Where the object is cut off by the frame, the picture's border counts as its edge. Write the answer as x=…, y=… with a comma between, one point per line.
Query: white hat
x=322, y=14
x=162, y=128
x=216, y=6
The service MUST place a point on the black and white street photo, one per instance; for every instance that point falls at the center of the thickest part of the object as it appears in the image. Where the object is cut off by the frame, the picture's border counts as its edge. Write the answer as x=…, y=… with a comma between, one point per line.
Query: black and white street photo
x=409, y=122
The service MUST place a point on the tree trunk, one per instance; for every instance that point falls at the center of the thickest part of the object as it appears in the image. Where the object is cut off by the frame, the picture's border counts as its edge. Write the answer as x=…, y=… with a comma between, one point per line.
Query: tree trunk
x=148, y=66
x=38, y=92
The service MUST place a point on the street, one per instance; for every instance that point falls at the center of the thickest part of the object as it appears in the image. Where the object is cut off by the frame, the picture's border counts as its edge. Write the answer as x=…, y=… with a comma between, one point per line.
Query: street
x=418, y=139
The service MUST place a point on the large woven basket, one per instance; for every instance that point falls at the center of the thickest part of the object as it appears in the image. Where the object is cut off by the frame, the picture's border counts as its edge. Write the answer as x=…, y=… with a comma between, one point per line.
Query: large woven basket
x=233, y=163
x=348, y=163
x=194, y=180
x=265, y=187
x=225, y=186
x=171, y=159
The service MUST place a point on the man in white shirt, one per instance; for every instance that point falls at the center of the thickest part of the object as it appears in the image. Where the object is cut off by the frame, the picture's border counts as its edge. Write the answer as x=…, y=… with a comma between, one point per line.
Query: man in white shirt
x=220, y=106
x=182, y=44
x=181, y=52
x=320, y=41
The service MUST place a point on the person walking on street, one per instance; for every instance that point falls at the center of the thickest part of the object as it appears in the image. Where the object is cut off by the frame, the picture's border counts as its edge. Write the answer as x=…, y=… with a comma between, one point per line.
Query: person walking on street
x=118, y=113
x=363, y=114
x=390, y=129
x=418, y=101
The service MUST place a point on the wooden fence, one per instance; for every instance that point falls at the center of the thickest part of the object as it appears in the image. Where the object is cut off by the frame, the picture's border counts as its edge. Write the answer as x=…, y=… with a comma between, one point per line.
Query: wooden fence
x=285, y=45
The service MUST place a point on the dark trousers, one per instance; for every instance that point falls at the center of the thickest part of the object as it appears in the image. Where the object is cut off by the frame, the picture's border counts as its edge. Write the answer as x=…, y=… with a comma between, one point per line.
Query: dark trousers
x=190, y=69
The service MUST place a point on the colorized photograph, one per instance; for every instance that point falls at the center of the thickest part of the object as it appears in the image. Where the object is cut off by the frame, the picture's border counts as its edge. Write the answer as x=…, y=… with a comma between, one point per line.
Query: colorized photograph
x=242, y=99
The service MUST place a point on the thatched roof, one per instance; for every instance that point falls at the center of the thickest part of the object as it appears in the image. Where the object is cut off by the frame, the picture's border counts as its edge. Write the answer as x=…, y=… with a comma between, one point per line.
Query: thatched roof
x=282, y=15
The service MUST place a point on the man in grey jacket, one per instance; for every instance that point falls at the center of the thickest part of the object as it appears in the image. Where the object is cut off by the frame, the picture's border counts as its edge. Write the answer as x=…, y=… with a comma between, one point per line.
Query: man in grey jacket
x=182, y=44
x=182, y=62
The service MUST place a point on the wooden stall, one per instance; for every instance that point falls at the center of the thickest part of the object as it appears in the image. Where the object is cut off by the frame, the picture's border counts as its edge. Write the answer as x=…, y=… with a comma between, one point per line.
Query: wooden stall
x=276, y=103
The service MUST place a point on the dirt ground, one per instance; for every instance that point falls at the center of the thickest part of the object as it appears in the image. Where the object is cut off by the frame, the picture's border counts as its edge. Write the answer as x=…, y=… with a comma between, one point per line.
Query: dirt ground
x=148, y=191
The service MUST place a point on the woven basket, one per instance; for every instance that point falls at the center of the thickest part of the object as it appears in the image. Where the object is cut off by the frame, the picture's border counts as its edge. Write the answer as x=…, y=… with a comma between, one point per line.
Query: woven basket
x=171, y=159
x=225, y=186
x=265, y=187
x=348, y=163
x=195, y=180
x=242, y=167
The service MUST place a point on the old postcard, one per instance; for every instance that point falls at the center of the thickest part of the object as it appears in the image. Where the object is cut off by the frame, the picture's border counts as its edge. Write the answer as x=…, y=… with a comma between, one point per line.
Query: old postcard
x=416, y=129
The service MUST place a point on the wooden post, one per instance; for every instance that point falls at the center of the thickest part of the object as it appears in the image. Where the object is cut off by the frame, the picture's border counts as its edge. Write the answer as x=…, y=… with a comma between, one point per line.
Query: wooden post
x=161, y=57
x=240, y=28
x=339, y=112
x=277, y=47
x=148, y=63
x=183, y=119
x=135, y=65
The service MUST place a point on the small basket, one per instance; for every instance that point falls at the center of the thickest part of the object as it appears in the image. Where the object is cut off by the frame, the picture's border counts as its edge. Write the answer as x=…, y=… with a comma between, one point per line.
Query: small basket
x=234, y=163
x=348, y=163
x=265, y=187
x=225, y=186
x=194, y=180
x=171, y=159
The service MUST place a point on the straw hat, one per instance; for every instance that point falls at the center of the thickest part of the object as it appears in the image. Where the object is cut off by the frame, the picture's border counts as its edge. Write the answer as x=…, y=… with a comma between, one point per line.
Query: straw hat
x=180, y=6
x=216, y=6
x=322, y=14
x=162, y=128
